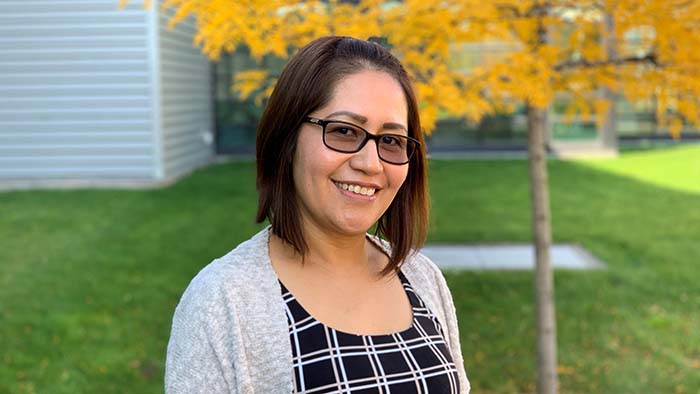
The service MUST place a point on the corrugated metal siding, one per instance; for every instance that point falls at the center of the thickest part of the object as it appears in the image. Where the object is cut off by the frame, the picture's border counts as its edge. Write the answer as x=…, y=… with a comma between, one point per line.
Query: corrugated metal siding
x=75, y=97
x=186, y=116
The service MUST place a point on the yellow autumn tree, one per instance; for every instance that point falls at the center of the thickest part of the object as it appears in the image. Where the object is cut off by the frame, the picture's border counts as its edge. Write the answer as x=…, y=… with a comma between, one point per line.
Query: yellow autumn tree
x=590, y=50
x=637, y=50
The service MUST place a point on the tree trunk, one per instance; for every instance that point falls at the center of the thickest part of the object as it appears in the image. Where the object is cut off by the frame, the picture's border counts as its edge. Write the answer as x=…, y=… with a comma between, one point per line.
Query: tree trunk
x=609, y=129
x=547, y=381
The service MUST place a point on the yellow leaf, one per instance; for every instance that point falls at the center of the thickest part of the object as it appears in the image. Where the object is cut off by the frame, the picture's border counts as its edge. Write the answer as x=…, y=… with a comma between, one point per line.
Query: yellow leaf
x=469, y=58
x=602, y=108
x=675, y=126
x=246, y=82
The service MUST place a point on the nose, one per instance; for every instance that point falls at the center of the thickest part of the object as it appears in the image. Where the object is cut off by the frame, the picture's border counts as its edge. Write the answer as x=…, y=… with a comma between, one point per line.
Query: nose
x=367, y=159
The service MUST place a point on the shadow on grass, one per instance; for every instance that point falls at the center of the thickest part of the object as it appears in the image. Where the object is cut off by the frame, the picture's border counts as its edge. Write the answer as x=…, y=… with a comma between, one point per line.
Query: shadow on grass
x=625, y=330
x=90, y=278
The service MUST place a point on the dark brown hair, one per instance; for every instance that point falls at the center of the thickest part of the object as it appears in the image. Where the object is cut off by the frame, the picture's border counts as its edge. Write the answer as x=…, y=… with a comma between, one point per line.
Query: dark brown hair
x=306, y=84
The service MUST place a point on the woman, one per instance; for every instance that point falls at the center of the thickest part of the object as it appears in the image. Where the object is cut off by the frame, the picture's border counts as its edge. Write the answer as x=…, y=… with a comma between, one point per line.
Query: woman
x=312, y=303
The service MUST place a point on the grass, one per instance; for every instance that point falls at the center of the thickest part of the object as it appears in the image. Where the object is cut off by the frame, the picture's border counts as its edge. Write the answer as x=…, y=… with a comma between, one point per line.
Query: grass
x=89, y=279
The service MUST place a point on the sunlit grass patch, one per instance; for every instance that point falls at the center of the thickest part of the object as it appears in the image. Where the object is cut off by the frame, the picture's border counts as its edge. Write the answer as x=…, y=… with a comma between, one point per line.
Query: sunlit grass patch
x=676, y=168
x=89, y=279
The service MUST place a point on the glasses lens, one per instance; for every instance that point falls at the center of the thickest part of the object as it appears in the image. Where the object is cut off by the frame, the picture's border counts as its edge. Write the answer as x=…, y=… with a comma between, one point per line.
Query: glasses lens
x=395, y=148
x=343, y=137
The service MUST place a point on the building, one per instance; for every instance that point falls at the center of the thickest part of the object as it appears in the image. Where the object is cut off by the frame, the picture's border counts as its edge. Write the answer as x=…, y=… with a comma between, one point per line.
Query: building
x=94, y=95
x=91, y=94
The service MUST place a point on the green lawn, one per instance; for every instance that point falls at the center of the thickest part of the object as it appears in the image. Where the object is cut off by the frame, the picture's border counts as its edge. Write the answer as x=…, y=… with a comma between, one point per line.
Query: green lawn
x=89, y=279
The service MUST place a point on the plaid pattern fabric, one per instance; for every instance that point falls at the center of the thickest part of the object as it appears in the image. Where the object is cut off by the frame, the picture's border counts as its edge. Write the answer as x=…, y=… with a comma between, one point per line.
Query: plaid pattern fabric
x=326, y=360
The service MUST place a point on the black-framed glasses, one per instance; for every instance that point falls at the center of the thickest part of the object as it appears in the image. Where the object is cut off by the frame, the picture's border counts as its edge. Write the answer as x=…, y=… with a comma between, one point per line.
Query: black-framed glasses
x=346, y=137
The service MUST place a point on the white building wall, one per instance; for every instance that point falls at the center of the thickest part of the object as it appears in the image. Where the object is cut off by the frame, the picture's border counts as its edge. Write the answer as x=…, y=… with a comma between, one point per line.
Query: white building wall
x=92, y=92
x=74, y=90
x=186, y=117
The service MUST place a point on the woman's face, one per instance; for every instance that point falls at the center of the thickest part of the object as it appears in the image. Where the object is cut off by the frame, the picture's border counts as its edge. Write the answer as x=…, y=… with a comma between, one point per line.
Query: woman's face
x=375, y=101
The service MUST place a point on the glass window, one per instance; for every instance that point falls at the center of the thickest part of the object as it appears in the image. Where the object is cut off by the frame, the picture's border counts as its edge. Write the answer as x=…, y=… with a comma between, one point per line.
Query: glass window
x=236, y=119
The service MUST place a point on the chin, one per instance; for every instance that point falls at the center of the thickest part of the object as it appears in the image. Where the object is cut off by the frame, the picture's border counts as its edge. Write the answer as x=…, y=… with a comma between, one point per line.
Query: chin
x=359, y=227
x=356, y=230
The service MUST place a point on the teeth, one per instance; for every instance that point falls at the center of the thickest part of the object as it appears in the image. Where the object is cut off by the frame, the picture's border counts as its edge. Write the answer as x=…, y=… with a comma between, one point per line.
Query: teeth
x=365, y=191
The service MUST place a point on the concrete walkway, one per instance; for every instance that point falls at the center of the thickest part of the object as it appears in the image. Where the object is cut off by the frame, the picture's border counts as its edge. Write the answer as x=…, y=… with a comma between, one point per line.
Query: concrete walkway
x=509, y=257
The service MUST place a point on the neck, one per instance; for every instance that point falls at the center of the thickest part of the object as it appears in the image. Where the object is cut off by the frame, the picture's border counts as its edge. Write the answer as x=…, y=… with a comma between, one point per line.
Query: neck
x=338, y=255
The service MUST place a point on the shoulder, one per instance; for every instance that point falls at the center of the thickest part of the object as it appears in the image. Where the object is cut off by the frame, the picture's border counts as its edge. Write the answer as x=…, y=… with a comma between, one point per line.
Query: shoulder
x=231, y=276
x=235, y=293
x=428, y=280
x=420, y=270
x=420, y=264
x=415, y=264
x=229, y=327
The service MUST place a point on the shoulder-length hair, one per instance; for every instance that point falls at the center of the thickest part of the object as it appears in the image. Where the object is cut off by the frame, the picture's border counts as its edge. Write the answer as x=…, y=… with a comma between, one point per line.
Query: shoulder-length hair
x=306, y=84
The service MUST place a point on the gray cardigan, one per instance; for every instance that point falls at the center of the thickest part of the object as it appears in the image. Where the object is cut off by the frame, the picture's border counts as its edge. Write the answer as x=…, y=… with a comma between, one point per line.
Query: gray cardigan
x=230, y=333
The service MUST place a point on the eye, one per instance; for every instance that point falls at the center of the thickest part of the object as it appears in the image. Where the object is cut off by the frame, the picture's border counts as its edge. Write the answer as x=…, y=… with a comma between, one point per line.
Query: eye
x=342, y=130
x=391, y=141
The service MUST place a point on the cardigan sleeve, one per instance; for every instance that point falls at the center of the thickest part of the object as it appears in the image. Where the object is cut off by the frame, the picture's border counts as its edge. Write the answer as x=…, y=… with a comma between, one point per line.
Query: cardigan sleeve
x=198, y=361
x=451, y=326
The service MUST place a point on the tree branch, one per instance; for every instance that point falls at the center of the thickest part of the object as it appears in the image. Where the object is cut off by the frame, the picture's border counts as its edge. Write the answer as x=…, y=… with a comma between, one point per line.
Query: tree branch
x=508, y=9
x=649, y=58
x=576, y=5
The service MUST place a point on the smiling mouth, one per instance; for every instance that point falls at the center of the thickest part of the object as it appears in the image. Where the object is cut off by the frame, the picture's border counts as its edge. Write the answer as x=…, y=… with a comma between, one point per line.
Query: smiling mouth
x=357, y=189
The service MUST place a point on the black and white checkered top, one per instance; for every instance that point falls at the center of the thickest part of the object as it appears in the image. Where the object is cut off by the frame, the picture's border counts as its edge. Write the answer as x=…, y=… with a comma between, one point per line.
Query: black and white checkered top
x=326, y=360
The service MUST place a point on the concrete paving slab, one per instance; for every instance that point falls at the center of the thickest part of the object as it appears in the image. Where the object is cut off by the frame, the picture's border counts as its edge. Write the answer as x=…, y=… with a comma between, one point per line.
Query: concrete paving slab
x=509, y=257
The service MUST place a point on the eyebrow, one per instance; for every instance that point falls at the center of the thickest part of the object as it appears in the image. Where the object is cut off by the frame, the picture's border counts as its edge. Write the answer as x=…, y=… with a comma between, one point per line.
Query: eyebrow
x=363, y=119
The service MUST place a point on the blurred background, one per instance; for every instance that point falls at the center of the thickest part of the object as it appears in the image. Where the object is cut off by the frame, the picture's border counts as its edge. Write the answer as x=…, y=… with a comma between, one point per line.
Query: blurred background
x=126, y=165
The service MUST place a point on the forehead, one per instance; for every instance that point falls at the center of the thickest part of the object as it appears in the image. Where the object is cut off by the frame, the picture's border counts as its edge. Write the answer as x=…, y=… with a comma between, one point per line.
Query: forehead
x=375, y=95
